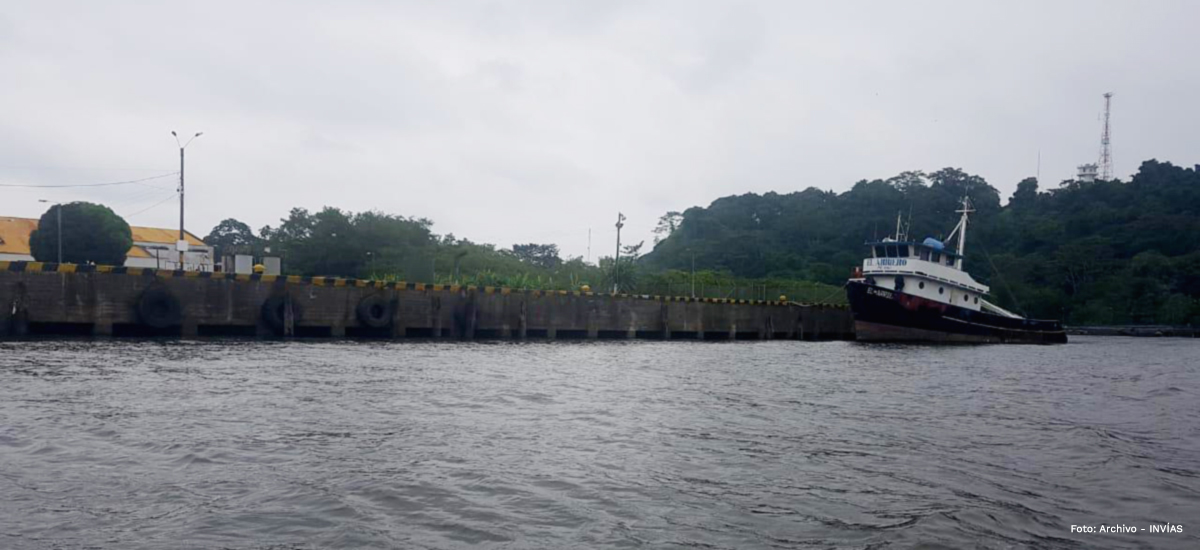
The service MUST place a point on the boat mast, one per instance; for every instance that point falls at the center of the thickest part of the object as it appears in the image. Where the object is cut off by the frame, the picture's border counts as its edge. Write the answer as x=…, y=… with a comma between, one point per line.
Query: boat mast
x=962, y=231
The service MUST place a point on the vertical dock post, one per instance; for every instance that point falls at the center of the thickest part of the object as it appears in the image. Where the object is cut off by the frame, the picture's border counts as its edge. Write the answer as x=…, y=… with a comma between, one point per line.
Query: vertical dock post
x=398, y=328
x=593, y=324
x=435, y=313
x=18, y=320
x=523, y=319
x=289, y=317
x=665, y=319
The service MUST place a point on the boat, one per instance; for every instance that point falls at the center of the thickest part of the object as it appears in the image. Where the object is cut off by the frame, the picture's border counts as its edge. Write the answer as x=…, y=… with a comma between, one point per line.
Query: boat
x=909, y=291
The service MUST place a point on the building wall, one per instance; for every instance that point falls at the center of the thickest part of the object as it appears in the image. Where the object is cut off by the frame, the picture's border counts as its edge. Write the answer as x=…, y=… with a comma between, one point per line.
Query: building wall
x=197, y=258
x=195, y=261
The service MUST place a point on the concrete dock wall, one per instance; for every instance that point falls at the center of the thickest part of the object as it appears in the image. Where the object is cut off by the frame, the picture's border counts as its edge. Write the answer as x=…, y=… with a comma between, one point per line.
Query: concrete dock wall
x=41, y=298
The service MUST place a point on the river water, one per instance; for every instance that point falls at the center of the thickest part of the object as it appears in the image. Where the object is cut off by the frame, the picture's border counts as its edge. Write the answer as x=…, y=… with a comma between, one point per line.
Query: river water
x=296, y=445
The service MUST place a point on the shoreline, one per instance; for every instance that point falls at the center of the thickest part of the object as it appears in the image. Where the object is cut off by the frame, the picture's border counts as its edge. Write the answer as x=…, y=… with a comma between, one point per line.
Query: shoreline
x=1135, y=330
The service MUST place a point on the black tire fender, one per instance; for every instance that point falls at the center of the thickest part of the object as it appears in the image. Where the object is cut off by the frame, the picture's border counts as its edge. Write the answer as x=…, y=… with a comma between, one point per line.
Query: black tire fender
x=158, y=308
x=273, y=312
x=374, y=311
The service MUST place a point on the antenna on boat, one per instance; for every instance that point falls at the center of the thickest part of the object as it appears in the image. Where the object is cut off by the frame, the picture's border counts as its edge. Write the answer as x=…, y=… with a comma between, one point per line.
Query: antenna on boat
x=908, y=224
x=903, y=227
x=962, y=231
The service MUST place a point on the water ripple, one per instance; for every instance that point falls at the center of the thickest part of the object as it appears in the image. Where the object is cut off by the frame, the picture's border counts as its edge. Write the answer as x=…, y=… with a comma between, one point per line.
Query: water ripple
x=302, y=445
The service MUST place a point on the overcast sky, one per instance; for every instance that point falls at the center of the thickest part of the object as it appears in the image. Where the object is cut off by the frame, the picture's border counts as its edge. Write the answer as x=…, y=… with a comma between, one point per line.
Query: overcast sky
x=508, y=122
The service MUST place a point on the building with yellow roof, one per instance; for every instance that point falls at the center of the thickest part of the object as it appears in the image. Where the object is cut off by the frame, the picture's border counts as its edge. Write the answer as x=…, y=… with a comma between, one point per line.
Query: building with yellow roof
x=152, y=246
x=14, y=238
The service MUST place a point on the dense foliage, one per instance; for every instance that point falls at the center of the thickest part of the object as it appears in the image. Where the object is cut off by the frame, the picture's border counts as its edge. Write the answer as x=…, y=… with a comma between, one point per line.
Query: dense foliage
x=334, y=242
x=1092, y=253
x=91, y=233
x=234, y=237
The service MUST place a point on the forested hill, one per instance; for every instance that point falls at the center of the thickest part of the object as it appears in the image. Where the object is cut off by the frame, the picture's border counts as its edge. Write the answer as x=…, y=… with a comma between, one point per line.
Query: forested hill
x=1101, y=252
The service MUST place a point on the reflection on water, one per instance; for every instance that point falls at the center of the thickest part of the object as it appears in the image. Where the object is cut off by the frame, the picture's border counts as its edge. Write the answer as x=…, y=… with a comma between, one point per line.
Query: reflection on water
x=244, y=444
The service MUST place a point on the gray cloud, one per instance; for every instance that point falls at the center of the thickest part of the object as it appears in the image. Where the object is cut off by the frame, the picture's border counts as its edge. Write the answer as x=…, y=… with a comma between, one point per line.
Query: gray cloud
x=535, y=121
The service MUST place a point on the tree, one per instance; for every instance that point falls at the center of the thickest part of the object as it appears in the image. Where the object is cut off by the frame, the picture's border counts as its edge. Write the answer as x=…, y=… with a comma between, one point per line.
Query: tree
x=1101, y=252
x=336, y=242
x=667, y=225
x=233, y=237
x=1083, y=249
x=632, y=251
x=1082, y=262
x=950, y=185
x=323, y=243
x=909, y=183
x=91, y=233
x=624, y=279
x=624, y=275
x=1026, y=193
x=540, y=255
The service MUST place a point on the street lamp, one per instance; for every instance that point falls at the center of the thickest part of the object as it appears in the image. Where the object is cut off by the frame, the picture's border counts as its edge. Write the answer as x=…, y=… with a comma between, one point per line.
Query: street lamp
x=617, y=258
x=182, y=245
x=58, y=211
x=693, y=272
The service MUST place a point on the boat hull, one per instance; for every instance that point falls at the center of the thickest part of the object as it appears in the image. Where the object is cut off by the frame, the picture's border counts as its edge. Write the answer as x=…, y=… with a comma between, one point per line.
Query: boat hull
x=884, y=315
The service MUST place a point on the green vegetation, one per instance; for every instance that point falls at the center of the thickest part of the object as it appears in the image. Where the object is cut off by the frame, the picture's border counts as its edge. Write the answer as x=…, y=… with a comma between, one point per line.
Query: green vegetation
x=1106, y=252
x=91, y=233
x=373, y=245
x=234, y=237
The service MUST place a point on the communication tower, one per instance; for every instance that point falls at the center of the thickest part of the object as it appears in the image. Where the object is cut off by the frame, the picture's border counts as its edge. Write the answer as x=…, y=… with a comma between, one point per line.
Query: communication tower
x=1105, y=147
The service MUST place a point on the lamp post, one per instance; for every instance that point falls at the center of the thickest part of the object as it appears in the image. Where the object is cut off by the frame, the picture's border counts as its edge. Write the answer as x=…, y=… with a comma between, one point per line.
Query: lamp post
x=458, y=256
x=182, y=239
x=617, y=258
x=58, y=212
x=693, y=272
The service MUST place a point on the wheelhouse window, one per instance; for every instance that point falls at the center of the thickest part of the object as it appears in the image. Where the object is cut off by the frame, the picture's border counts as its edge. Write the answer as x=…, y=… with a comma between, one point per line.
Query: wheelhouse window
x=891, y=251
x=924, y=253
x=880, y=252
x=949, y=260
x=936, y=257
x=903, y=251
